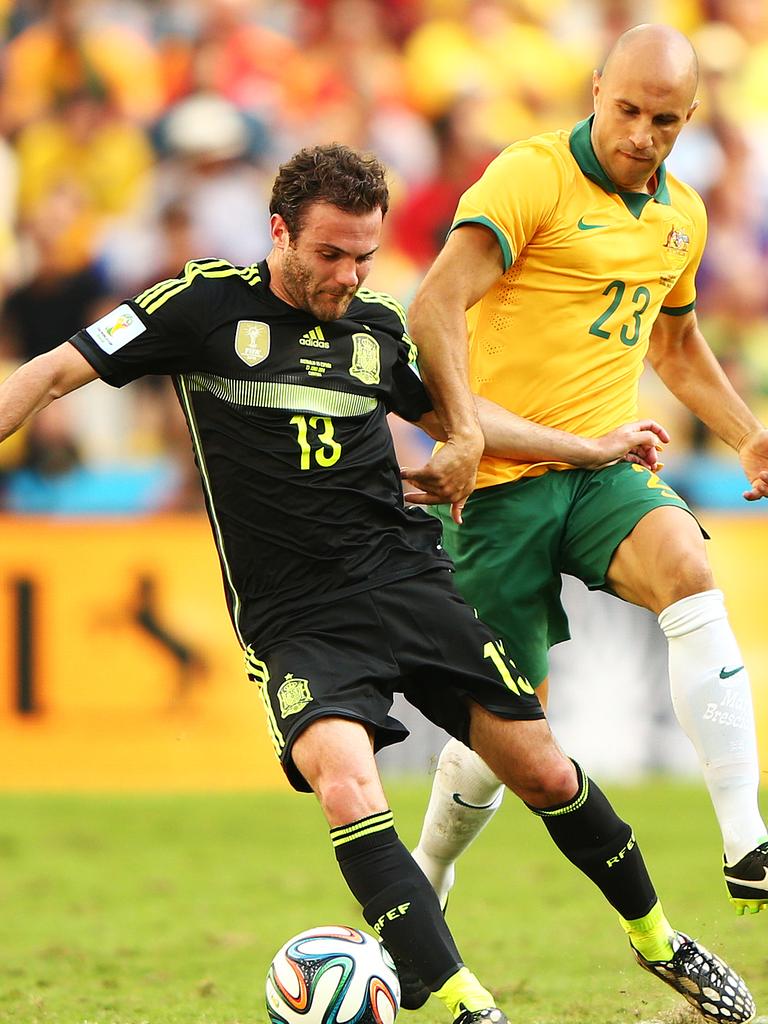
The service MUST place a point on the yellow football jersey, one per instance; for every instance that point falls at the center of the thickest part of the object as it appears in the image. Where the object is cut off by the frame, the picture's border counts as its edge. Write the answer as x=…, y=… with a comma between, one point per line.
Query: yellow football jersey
x=560, y=338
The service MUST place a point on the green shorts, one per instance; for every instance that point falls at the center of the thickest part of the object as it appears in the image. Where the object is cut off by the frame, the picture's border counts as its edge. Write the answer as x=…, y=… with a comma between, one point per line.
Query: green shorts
x=517, y=538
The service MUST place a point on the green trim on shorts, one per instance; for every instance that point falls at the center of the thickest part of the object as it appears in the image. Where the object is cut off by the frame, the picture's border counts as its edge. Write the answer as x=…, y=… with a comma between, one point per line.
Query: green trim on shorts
x=517, y=538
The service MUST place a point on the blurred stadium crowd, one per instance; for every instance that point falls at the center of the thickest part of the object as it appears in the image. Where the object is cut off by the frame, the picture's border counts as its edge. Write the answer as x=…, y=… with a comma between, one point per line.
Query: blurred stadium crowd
x=137, y=134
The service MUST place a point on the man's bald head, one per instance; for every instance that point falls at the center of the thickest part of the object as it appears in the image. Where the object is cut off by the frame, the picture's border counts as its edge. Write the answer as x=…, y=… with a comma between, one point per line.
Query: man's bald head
x=643, y=97
x=664, y=53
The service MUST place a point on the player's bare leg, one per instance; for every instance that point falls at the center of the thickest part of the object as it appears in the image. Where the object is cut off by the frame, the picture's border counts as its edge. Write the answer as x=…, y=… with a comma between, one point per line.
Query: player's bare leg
x=465, y=796
x=588, y=831
x=580, y=820
x=662, y=565
x=335, y=756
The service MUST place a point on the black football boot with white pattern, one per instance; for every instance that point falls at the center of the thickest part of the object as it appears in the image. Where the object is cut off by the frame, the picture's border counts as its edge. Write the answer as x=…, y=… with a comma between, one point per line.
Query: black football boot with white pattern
x=706, y=981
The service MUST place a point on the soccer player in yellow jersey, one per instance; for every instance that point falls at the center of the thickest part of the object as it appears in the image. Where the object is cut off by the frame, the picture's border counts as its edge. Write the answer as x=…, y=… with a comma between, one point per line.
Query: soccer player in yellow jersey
x=569, y=261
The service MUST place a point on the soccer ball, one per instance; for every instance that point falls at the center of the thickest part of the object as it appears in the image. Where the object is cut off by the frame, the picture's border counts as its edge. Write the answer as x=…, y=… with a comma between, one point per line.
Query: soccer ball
x=332, y=975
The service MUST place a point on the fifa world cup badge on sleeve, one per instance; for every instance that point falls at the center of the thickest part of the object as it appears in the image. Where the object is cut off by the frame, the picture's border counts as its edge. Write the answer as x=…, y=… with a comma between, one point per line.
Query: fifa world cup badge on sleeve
x=116, y=329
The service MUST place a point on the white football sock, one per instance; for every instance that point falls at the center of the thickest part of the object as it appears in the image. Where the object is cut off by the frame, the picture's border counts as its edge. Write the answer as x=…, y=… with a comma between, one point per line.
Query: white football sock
x=713, y=703
x=465, y=796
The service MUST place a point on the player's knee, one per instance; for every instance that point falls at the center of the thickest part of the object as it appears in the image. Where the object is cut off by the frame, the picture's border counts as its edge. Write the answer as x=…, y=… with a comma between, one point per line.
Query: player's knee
x=662, y=561
x=691, y=575
x=549, y=781
x=556, y=784
x=348, y=797
x=681, y=572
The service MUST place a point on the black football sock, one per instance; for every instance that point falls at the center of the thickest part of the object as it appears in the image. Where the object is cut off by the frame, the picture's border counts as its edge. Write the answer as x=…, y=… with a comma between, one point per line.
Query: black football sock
x=397, y=900
x=594, y=838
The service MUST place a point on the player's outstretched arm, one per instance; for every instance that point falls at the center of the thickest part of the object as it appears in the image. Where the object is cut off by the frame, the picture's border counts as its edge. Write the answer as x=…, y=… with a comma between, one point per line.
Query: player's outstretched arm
x=511, y=436
x=37, y=383
x=682, y=358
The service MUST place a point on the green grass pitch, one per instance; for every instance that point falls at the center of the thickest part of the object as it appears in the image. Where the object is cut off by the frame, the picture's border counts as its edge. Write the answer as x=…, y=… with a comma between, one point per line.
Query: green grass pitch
x=168, y=909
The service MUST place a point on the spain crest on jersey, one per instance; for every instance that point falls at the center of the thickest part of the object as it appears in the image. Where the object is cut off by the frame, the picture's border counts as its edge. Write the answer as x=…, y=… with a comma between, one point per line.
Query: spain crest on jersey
x=252, y=341
x=293, y=695
x=366, y=360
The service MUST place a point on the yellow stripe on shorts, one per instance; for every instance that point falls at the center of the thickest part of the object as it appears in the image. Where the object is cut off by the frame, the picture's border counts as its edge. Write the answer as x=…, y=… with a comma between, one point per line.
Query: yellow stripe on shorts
x=258, y=673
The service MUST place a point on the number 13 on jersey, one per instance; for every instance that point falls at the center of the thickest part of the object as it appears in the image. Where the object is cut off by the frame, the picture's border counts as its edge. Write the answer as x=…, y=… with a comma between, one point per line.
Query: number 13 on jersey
x=516, y=682
x=316, y=440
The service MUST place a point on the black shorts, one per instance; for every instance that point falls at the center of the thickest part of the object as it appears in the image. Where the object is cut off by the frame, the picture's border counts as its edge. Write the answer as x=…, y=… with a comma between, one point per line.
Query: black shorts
x=416, y=636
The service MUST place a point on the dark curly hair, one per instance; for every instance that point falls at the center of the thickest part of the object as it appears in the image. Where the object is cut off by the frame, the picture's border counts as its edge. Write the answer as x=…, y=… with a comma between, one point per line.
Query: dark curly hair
x=336, y=174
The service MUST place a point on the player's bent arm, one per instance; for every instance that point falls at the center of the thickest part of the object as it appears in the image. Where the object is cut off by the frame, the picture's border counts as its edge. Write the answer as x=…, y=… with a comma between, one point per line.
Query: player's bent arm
x=682, y=358
x=37, y=383
x=465, y=269
x=469, y=263
x=431, y=425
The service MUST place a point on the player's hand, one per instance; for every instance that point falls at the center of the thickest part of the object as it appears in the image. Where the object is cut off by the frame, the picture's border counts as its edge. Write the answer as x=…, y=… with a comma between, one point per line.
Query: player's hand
x=639, y=442
x=448, y=478
x=753, y=454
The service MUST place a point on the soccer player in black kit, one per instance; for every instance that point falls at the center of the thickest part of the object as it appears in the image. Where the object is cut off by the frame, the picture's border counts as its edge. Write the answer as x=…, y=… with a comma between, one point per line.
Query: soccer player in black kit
x=340, y=595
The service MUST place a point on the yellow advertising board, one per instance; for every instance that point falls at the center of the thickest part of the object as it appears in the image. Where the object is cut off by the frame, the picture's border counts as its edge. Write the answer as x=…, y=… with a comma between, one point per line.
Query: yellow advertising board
x=119, y=668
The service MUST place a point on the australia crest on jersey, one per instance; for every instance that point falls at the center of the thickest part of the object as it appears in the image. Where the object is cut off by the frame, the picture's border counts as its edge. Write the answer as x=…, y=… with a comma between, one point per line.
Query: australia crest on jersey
x=252, y=341
x=366, y=359
x=293, y=695
x=677, y=242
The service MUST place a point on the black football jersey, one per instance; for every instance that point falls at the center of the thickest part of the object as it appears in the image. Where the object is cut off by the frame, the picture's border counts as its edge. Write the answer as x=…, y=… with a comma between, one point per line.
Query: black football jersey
x=287, y=416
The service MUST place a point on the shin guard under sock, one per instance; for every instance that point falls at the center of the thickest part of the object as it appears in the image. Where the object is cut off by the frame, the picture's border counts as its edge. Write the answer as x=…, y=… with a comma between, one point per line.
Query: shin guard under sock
x=593, y=837
x=397, y=900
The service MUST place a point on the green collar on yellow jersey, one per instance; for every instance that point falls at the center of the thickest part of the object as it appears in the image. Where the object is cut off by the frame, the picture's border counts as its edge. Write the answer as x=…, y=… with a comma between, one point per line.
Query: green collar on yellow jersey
x=580, y=142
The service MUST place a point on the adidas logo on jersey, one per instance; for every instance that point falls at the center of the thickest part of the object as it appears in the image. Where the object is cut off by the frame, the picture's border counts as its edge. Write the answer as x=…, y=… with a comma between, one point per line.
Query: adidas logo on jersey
x=314, y=338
